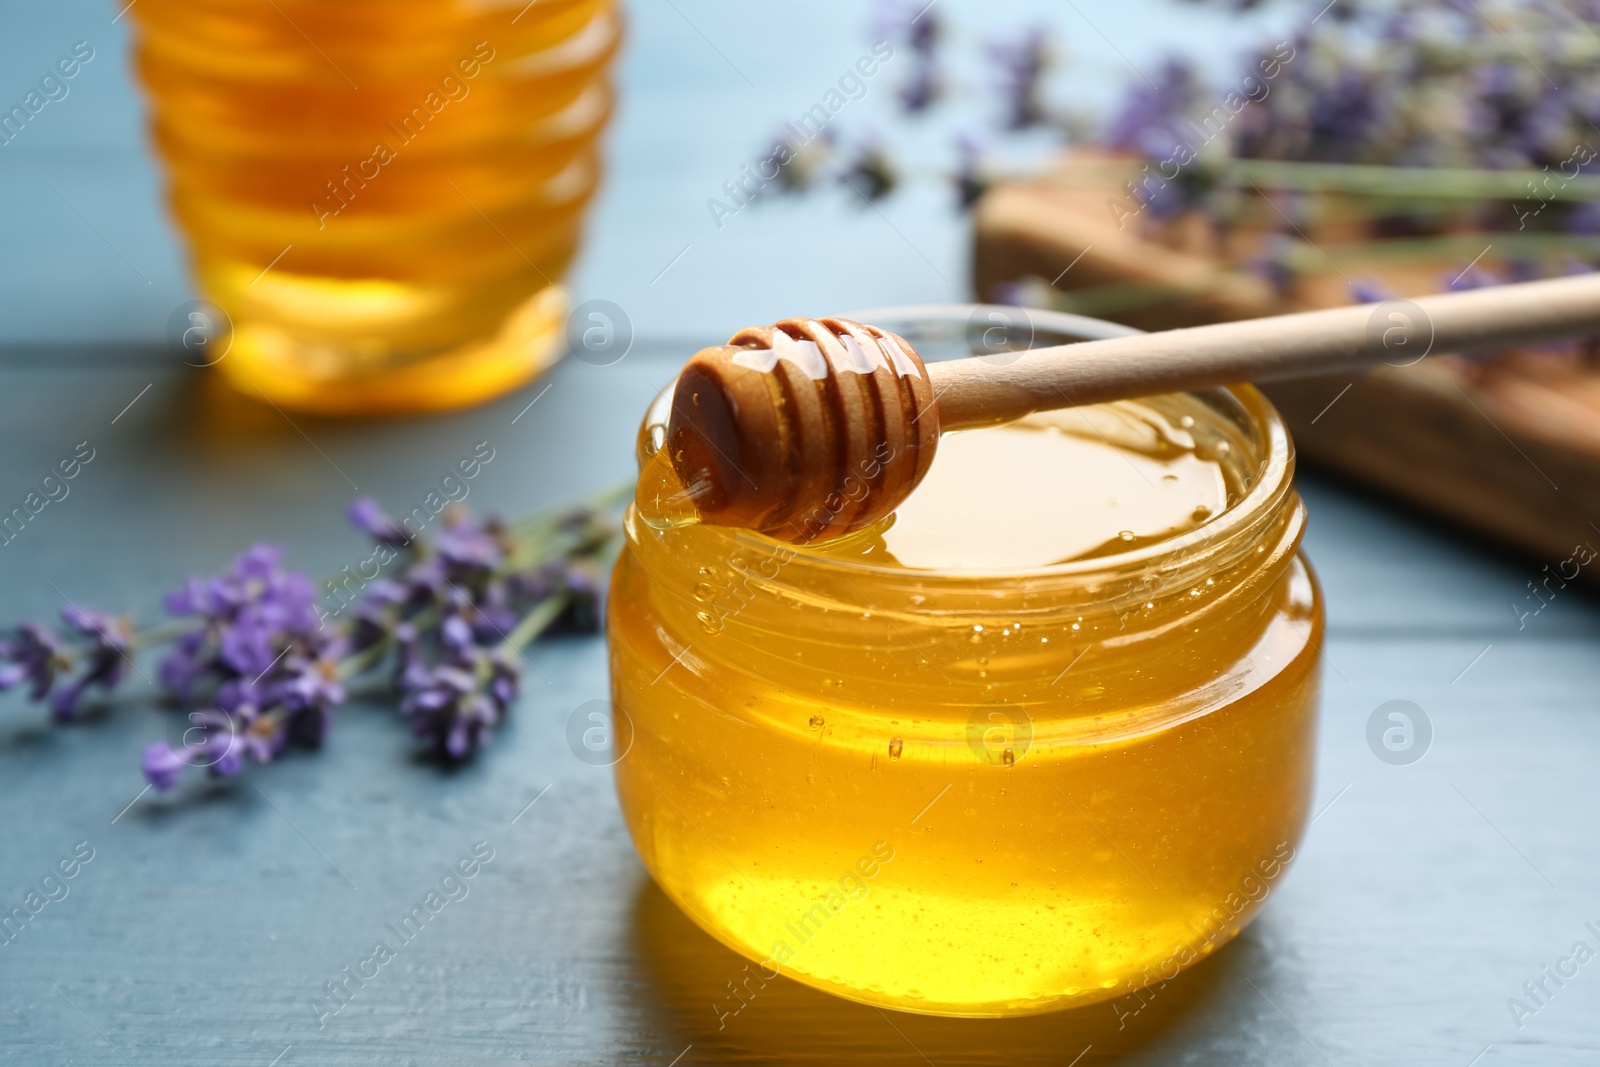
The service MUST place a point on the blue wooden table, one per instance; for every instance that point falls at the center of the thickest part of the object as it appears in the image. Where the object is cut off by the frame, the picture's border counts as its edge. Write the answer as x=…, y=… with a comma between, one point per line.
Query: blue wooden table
x=201, y=927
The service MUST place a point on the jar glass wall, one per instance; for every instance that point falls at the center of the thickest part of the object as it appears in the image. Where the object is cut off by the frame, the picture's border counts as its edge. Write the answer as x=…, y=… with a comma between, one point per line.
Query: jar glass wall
x=978, y=791
x=383, y=196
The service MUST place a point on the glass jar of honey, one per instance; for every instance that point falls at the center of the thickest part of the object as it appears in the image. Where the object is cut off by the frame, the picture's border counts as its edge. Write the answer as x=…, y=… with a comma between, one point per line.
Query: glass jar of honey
x=1043, y=737
x=382, y=196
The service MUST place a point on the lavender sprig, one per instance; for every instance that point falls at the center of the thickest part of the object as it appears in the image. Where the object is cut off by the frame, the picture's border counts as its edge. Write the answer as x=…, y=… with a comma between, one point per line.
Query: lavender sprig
x=971, y=178
x=1419, y=84
x=1020, y=65
x=916, y=25
x=258, y=667
x=1435, y=116
x=870, y=172
x=33, y=655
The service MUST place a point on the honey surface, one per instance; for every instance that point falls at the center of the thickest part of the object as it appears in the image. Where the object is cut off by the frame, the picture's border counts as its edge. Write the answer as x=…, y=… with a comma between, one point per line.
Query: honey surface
x=1054, y=488
x=1003, y=798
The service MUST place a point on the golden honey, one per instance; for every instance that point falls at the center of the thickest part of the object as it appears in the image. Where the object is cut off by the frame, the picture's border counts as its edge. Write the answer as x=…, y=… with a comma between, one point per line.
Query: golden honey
x=1042, y=738
x=383, y=196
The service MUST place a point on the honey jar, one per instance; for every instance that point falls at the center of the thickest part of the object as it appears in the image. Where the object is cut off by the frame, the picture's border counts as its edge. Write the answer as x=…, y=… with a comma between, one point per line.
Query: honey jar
x=381, y=197
x=1043, y=737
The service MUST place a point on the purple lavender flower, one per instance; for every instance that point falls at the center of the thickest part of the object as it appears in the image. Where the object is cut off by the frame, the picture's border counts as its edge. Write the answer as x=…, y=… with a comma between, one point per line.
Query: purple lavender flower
x=105, y=660
x=1021, y=65
x=257, y=670
x=457, y=637
x=505, y=681
x=255, y=586
x=923, y=30
x=184, y=665
x=493, y=614
x=921, y=89
x=1370, y=291
x=365, y=514
x=447, y=706
x=247, y=646
x=1525, y=270
x=1342, y=118
x=469, y=549
x=970, y=180
x=471, y=727
x=409, y=664
x=1583, y=219
x=870, y=172
x=585, y=591
x=162, y=765
x=1474, y=276
x=34, y=656
x=1014, y=294
x=450, y=615
x=216, y=741
x=455, y=704
x=576, y=581
x=260, y=656
x=262, y=737
x=1275, y=263
x=308, y=691
x=915, y=24
x=1154, y=120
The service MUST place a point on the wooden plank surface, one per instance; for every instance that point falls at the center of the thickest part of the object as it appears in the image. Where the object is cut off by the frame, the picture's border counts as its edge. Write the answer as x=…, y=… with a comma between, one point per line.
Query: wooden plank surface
x=199, y=933
x=206, y=923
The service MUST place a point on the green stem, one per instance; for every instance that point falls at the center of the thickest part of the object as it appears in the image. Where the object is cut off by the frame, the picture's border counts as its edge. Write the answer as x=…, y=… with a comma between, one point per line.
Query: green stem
x=162, y=632
x=363, y=661
x=534, y=622
x=1406, y=183
x=608, y=499
x=1363, y=179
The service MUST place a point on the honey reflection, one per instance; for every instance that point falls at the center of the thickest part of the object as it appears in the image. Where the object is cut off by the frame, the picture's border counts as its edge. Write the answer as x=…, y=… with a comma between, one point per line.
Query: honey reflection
x=687, y=999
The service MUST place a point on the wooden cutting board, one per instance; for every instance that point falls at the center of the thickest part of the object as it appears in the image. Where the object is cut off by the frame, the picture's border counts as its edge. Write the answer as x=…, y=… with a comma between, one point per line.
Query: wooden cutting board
x=1508, y=447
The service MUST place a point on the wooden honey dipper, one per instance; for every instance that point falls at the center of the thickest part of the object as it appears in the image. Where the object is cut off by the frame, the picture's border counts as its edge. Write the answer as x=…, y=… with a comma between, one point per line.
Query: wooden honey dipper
x=811, y=428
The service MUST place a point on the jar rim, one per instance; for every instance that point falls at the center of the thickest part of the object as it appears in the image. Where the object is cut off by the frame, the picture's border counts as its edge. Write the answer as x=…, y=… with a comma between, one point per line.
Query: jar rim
x=1270, y=476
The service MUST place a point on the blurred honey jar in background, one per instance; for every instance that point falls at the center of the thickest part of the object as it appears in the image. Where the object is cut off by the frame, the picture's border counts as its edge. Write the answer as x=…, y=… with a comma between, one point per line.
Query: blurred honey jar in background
x=383, y=197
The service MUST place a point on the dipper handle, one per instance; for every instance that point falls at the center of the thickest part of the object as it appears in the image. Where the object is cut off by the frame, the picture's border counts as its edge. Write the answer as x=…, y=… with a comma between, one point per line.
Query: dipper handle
x=985, y=390
x=812, y=428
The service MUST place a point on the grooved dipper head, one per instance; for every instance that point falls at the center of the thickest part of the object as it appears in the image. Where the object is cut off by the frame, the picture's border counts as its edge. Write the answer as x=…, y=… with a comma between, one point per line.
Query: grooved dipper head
x=804, y=430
